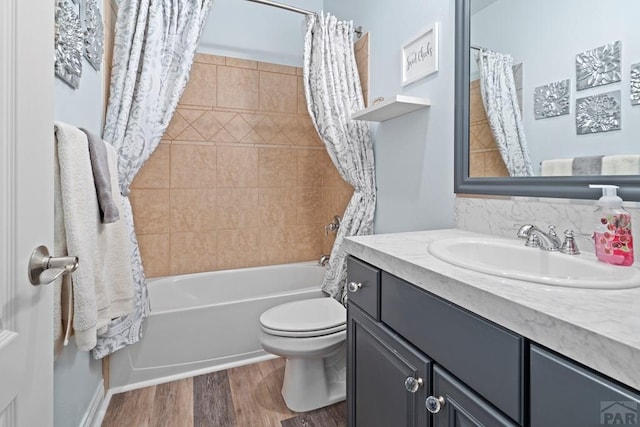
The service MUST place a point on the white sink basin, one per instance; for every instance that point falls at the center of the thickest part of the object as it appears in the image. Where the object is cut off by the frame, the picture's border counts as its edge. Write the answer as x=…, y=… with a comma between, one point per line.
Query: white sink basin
x=507, y=258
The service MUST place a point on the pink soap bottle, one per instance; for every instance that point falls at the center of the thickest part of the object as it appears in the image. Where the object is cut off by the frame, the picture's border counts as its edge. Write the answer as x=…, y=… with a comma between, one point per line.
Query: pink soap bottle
x=612, y=235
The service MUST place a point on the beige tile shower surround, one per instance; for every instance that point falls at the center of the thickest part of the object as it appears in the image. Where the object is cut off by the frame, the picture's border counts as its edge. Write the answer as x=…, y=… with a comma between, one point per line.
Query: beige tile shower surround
x=361, y=47
x=110, y=12
x=240, y=179
x=484, y=157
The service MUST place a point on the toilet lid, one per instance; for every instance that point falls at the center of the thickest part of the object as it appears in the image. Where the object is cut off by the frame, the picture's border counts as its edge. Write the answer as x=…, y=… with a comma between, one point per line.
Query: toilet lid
x=305, y=317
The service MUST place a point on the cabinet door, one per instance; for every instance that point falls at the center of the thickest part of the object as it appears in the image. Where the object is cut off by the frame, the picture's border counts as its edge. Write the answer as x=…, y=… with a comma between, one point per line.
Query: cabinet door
x=378, y=365
x=461, y=407
x=568, y=395
x=474, y=350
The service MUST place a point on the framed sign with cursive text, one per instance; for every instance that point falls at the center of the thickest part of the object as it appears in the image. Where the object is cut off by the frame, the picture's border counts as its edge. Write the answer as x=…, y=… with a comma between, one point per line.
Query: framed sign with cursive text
x=420, y=55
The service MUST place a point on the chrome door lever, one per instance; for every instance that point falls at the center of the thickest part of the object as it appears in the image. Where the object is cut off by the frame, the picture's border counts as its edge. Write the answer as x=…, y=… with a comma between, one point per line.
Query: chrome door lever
x=44, y=269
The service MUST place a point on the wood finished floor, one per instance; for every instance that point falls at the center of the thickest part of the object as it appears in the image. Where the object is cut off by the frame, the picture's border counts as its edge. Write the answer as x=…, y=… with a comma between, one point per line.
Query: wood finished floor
x=248, y=396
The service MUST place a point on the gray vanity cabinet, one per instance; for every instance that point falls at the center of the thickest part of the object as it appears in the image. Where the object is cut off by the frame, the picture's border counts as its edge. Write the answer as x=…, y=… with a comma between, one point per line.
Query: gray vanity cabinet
x=568, y=395
x=388, y=380
x=390, y=374
x=473, y=372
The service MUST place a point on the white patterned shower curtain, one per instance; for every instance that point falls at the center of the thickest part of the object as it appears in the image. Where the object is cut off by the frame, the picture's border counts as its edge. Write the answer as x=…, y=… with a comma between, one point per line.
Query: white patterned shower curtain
x=500, y=100
x=333, y=91
x=155, y=41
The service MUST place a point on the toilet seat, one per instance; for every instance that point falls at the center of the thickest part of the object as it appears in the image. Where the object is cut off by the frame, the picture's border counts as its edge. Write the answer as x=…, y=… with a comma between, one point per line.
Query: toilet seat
x=304, y=319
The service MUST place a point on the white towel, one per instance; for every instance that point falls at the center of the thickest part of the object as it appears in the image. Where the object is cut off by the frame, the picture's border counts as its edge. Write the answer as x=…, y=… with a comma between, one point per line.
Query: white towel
x=63, y=302
x=623, y=164
x=556, y=167
x=103, y=283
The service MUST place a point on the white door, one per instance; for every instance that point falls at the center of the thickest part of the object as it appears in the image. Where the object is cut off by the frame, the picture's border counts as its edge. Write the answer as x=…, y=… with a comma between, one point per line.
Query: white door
x=26, y=210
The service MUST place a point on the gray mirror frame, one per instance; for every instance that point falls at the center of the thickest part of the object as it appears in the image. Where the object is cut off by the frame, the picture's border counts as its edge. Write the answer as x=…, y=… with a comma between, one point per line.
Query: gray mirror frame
x=565, y=187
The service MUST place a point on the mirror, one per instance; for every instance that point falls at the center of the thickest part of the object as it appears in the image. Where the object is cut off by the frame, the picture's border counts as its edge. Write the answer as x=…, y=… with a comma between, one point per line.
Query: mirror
x=564, y=135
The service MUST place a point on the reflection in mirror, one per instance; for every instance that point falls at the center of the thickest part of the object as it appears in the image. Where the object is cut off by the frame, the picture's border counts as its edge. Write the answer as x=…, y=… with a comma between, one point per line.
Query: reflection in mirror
x=560, y=131
x=552, y=88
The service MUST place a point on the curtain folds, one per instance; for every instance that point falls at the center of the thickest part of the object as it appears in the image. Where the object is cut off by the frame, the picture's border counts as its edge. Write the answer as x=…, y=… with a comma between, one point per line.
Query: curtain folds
x=154, y=46
x=333, y=91
x=500, y=99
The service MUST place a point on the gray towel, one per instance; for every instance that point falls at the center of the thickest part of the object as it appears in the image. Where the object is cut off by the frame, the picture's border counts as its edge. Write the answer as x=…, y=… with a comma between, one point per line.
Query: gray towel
x=587, y=165
x=102, y=179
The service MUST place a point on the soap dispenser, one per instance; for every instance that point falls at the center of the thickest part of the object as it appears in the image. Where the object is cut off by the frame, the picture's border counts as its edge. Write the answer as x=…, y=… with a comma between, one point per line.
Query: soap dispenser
x=612, y=234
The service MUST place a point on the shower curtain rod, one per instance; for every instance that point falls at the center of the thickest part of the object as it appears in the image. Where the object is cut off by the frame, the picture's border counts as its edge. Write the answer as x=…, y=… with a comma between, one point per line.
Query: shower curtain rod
x=284, y=6
x=357, y=30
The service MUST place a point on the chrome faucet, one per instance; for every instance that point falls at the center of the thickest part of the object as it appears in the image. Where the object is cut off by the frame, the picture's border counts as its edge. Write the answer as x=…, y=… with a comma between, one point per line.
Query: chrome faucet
x=324, y=260
x=537, y=238
x=549, y=241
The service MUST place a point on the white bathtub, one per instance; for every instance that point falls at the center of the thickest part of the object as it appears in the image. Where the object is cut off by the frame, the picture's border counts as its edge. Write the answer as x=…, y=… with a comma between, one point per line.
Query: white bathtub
x=206, y=322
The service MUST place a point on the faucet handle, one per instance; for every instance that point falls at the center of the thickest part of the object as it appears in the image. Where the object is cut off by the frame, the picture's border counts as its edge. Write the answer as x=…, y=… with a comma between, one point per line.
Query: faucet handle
x=569, y=246
x=552, y=231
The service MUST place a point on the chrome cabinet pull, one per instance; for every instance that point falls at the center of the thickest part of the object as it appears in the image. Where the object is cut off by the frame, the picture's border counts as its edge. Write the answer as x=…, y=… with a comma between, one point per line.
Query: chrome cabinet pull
x=44, y=269
x=413, y=384
x=354, y=286
x=434, y=404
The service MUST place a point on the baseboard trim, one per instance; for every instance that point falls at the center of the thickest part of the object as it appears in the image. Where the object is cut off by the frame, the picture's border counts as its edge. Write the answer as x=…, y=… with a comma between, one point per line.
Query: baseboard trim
x=89, y=419
x=97, y=422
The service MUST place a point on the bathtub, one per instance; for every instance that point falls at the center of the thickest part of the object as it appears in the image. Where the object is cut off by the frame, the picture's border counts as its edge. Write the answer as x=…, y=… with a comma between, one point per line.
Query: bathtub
x=206, y=322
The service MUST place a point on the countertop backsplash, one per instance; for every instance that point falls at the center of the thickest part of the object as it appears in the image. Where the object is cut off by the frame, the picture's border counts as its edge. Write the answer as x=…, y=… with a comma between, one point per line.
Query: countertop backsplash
x=501, y=216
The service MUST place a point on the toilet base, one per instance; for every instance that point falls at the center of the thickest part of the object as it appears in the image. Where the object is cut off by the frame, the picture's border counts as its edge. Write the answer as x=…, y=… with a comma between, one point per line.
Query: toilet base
x=314, y=383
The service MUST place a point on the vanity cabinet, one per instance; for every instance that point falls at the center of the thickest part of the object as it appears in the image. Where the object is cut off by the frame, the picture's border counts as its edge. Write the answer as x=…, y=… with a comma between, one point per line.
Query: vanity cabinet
x=423, y=356
x=566, y=394
x=415, y=359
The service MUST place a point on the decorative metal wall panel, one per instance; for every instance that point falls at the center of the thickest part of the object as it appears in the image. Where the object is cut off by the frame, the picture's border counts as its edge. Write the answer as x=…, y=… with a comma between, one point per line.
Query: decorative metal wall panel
x=551, y=100
x=94, y=34
x=599, y=66
x=69, y=42
x=598, y=113
x=635, y=84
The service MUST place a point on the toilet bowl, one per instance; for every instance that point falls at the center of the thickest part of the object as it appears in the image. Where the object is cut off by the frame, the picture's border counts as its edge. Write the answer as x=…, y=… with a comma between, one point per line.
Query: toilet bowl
x=310, y=334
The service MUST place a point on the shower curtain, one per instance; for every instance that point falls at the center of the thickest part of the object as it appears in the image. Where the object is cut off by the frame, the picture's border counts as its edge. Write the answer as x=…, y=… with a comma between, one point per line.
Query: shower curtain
x=499, y=96
x=333, y=91
x=155, y=41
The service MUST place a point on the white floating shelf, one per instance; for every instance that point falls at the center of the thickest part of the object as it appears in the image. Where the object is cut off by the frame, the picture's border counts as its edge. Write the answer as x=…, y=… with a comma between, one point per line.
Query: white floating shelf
x=390, y=108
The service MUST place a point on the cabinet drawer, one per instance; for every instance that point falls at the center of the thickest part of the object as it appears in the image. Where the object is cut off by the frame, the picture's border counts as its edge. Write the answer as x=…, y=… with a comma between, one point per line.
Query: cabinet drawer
x=486, y=357
x=367, y=294
x=568, y=395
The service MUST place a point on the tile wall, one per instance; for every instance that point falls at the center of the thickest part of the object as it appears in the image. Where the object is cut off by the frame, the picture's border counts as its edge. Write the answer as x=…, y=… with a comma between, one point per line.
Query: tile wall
x=485, y=159
x=110, y=12
x=362, y=58
x=240, y=179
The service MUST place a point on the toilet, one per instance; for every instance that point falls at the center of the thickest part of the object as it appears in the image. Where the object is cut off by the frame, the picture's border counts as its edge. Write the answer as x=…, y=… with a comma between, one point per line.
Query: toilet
x=310, y=334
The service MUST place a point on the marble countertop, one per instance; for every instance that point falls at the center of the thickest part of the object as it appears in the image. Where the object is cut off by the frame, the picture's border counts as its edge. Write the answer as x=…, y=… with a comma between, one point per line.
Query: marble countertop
x=598, y=328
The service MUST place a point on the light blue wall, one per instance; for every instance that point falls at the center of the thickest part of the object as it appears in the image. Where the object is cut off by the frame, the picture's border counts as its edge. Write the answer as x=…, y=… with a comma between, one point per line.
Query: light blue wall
x=247, y=30
x=414, y=153
x=76, y=375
